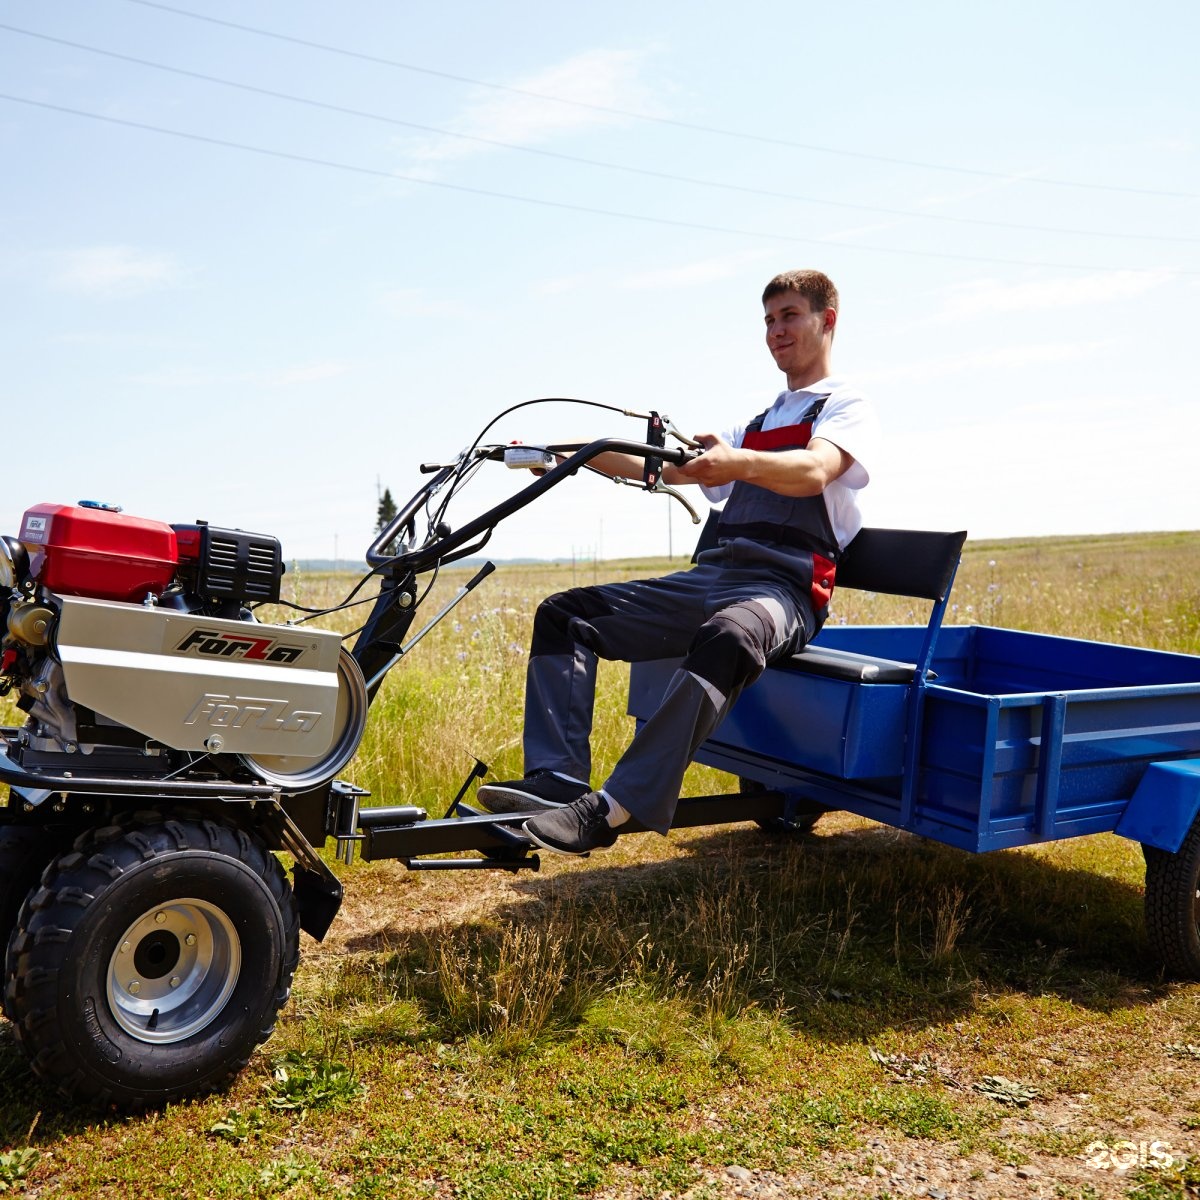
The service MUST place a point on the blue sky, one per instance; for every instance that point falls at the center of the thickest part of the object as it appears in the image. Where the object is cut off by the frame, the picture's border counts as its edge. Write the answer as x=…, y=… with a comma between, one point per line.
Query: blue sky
x=260, y=315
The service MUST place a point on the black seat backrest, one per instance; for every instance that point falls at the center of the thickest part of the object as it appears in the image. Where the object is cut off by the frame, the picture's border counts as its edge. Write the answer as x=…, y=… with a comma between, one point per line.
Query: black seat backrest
x=898, y=562
x=901, y=562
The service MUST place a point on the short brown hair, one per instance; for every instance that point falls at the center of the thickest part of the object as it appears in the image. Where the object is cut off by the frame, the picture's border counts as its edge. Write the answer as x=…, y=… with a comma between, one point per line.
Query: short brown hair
x=814, y=286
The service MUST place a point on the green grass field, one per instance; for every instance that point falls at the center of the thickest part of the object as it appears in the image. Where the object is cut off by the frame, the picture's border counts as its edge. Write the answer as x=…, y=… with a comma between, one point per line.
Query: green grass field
x=856, y=1012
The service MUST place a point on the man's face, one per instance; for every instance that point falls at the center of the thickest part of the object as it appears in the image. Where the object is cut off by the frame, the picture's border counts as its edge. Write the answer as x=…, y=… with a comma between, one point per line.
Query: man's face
x=795, y=334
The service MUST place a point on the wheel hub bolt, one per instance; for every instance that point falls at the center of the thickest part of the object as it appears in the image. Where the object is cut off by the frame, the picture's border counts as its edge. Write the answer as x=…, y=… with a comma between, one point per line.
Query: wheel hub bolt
x=134, y=988
x=175, y=981
x=160, y=917
x=124, y=947
x=190, y=939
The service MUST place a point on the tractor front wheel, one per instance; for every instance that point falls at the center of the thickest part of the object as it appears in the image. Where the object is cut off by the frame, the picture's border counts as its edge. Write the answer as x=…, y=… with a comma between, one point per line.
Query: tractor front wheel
x=152, y=960
x=25, y=852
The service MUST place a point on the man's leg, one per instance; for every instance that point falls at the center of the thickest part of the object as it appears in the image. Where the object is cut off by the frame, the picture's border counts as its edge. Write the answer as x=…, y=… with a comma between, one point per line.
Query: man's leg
x=728, y=653
x=643, y=619
x=752, y=625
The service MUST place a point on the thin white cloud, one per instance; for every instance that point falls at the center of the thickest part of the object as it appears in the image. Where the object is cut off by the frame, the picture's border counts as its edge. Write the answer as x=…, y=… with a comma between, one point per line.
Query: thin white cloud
x=279, y=377
x=707, y=270
x=123, y=339
x=602, y=78
x=980, y=460
x=115, y=271
x=292, y=376
x=413, y=302
x=561, y=284
x=989, y=296
x=682, y=275
x=1003, y=358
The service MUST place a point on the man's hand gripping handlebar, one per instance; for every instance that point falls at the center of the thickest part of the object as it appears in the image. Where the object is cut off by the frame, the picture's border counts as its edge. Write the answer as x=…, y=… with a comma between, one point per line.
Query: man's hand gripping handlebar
x=657, y=429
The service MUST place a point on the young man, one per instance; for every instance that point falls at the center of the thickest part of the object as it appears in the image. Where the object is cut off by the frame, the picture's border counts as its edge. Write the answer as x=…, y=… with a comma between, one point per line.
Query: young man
x=791, y=479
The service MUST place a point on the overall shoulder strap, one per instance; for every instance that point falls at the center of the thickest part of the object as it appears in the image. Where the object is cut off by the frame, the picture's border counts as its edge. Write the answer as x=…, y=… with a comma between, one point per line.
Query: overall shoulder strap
x=811, y=414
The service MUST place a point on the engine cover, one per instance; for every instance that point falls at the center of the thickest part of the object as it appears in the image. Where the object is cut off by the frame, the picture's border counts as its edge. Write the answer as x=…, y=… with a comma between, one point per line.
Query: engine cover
x=200, y=683
x=80, y=551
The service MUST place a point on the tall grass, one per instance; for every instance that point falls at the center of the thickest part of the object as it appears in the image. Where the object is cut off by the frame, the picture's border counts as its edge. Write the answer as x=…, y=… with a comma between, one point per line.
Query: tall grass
x=618, y=1025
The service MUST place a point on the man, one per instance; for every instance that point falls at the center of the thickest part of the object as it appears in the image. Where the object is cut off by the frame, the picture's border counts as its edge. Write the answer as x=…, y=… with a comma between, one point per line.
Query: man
x=792, y=478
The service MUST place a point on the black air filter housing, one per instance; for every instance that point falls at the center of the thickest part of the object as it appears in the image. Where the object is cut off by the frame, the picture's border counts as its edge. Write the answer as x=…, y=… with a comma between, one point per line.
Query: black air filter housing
x=229, y=564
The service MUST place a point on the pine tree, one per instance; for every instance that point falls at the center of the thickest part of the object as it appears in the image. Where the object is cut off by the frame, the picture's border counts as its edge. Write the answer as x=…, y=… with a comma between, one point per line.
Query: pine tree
x=387, y=511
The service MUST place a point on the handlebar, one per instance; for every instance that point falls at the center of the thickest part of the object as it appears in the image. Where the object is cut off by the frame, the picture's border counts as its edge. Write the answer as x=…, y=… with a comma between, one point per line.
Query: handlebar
x=423, y=558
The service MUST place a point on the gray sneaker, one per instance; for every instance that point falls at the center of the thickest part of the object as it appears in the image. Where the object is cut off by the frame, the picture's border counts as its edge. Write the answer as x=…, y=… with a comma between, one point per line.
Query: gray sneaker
x=576, y=829
x=540, y=790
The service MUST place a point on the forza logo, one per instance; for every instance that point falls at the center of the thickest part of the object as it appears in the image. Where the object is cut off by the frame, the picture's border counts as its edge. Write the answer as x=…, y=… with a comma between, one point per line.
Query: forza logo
x=249, y=712
x=213, y=644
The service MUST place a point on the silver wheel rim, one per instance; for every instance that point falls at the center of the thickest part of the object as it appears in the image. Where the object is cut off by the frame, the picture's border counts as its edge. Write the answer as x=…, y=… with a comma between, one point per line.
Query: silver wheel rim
x=173, y=971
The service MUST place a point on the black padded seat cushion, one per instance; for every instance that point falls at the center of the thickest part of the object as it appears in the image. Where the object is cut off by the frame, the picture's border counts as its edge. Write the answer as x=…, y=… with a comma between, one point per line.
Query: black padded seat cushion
x=847, y=665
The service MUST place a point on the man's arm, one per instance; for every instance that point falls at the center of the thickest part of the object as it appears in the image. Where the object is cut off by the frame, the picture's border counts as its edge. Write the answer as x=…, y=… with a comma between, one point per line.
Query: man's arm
x=805, y=472
x=630, y=466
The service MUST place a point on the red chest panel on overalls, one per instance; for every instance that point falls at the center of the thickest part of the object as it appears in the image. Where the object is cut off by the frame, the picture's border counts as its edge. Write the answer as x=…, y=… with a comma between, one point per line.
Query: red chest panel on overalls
x=800, y=522
x=786, y=437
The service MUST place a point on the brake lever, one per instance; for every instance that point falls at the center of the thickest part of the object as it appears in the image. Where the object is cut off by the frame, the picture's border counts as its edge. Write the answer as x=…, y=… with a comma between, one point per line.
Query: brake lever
x=666, y=425
x=667, y=490
x=674, y=431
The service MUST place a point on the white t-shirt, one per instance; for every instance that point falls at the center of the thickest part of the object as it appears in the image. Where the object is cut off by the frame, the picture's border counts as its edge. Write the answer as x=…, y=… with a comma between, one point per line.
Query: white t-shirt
x=848, y=420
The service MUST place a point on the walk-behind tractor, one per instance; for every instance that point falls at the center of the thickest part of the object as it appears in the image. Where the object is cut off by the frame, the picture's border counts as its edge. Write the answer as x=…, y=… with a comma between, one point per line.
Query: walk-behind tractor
x=173, y=743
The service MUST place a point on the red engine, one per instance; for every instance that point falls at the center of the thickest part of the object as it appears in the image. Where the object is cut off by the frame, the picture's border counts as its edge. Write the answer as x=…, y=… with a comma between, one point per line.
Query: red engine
x=97, y=552
x=101, y=553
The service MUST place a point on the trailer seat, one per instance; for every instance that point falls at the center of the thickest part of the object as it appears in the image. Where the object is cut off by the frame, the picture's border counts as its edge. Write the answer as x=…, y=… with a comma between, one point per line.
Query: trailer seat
x=897, y=562
x=847, y=665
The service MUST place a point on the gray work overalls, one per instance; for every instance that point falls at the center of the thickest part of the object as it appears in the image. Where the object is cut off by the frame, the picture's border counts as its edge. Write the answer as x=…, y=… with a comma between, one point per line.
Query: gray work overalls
x=761, y=594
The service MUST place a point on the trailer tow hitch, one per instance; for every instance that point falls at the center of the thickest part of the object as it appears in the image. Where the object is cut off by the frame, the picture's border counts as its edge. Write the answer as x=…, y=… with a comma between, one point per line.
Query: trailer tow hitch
x=404, y=832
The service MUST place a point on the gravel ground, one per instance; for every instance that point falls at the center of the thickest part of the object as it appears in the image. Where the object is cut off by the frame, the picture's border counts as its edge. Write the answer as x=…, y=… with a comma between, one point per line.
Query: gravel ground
x=902, y=1168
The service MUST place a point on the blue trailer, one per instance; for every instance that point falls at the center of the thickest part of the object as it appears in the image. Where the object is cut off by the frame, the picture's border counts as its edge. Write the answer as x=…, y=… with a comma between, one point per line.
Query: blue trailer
x=979, y=737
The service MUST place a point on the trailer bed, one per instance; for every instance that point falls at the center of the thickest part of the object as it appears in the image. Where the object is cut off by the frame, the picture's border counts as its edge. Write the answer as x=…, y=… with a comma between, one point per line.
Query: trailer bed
x=1015, y=738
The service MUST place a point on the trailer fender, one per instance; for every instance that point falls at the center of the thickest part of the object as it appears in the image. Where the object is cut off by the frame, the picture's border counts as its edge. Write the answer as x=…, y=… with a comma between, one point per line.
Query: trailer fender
x=1164, y=806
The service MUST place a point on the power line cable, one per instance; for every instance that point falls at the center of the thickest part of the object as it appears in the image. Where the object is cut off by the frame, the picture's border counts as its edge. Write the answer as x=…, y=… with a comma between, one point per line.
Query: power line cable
x=628, y=114
x=561, y=205
x=591, y=162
